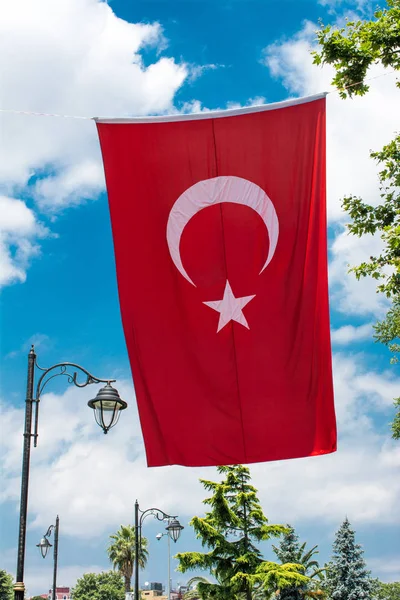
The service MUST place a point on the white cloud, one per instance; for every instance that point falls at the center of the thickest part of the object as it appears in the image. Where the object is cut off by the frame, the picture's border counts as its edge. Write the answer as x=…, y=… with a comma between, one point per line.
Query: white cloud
x=195, y=106
x=73, y=454
x=39, y=340
x=39, y=578
x=197, y=71
x=388, y=568
x=77, y=183
x=359, y=5
x=19, y=231
x=352, y=296
x=80, y=59
x=256, y=101
x=349, y=333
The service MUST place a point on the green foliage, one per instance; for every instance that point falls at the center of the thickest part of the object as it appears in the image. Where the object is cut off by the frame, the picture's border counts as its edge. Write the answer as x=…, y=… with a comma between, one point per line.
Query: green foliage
x=121, y=553
x=230, y=530
x=103, y=586
x=347, y=576
x=387, y=591
x=386, y=332
x=6, y=586
x=396, y=420
x=291, y=551
x=383, y=219
x=36, y=598
x=352, y=50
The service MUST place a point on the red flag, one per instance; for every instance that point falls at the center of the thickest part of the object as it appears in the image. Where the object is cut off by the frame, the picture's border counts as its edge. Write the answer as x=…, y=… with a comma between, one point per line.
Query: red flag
x=219, y=226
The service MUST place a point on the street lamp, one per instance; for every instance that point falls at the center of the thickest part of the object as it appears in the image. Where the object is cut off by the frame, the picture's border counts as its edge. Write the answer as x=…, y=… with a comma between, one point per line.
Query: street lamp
x=107, y=406
x=174, y=529
x=160, y=516
x=44, y=545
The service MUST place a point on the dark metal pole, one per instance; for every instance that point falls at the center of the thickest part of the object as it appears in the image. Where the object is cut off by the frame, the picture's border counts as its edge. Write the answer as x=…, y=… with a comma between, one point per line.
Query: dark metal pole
x=137, y=550
x=54, y=596
x=19, y=586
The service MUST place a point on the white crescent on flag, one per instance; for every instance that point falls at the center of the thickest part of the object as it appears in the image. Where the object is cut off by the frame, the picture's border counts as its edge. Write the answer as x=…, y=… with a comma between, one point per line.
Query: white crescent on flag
x=216, y=191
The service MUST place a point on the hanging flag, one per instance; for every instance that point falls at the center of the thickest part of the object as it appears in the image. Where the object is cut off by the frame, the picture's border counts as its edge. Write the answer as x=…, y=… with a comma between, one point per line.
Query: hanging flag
x=219, y=226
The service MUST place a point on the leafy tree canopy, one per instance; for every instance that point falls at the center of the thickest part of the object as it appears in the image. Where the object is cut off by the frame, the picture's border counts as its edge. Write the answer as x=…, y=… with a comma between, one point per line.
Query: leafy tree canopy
x=352, y=50
x=231, y=530
x=99, y=586
x=387, y=591
x=6, y=586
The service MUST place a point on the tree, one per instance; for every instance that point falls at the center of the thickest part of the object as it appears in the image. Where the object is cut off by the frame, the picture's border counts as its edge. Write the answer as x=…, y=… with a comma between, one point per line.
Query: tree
x=36, y=598
x=352, y=50
x=347, y=576
x=121, y=553
x=6, y=586
x=291, y=551
x=386, y=332
x=232, y=527
x=102, y=586
x=387, y=591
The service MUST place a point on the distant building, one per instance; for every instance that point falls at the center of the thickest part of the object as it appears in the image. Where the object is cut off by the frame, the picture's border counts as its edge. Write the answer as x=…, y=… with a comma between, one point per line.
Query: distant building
x=151, y=594
x=154, y=592
x=62, y=593
x=155, y=585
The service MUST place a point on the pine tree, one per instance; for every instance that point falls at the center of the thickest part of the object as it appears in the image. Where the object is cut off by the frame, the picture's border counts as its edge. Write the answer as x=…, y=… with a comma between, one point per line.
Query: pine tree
x=289, y=547
x=347, y=576
x=290, y=551
x=232, y=527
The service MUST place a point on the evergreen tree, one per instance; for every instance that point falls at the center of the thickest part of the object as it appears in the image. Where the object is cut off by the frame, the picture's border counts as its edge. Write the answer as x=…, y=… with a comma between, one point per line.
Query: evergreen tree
x=347, y=576
x=290, y=551
x=232, y=527
x=6, y=586
x=289, y=547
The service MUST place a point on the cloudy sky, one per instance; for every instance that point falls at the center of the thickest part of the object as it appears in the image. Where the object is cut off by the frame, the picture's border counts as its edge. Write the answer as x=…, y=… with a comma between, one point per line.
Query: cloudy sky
x=90, y=58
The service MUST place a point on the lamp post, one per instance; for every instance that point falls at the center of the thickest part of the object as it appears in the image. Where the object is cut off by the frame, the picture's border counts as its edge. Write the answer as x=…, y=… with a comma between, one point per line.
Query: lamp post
x=173, y=528
x=44, y=545
x=174, y=531
x=107, y=406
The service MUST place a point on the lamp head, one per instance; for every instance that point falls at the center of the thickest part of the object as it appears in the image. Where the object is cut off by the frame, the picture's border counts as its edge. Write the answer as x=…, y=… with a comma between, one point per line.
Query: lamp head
x=174, y=529
x=44, y=545
x=107, y=407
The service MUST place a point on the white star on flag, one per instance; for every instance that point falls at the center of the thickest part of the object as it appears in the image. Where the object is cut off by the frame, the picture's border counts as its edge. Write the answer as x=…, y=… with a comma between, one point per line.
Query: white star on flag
x=230, y=308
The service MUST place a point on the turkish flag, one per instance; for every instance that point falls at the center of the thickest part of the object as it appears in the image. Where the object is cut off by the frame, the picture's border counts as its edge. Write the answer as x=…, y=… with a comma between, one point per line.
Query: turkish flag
x=219, y=227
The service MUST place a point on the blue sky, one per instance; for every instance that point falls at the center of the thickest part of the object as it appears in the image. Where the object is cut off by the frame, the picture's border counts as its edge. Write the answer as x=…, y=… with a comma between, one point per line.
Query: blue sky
x=58, y=275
